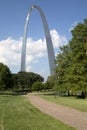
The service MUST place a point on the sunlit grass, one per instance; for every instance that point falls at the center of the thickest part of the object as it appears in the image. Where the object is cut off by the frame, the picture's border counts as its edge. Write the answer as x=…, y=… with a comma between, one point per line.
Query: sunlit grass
x=16, y=113
x=73, y=102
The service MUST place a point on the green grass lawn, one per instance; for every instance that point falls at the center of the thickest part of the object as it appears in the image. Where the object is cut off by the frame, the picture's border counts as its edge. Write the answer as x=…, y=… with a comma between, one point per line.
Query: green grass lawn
x=16, y=113
x=73, y=102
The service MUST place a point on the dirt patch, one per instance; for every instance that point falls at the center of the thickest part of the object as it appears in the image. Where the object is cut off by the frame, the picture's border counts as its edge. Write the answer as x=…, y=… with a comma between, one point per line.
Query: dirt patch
x=2, y=127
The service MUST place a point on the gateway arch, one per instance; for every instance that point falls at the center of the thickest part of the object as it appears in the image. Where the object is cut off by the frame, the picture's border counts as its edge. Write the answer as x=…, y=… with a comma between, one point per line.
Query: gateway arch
x=50, y=49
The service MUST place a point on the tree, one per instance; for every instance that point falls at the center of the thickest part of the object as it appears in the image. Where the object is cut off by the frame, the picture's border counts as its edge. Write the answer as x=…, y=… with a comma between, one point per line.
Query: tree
x=24, y=80
x=15, y=81
x=49, y=84
x=37, y=86
x=63, y=65
x=71, y=62
x=5, y=77
x=78, y=48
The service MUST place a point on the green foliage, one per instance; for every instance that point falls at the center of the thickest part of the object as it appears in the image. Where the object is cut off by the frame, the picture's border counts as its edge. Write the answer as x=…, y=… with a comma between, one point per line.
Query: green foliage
x=24, y=80
x=49, y=84
x=71, y=62
x=5, y=77
x=20, y=81
x=37, y=86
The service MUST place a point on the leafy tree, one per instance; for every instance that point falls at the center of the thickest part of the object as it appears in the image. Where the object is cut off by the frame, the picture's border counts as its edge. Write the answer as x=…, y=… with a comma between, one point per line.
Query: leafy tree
x=63, y=63
x=49, y=84
x=79, y=59
x=71, y=62
x=15, y=81
x=5, y=77
x=37, y=86
x=24, y=80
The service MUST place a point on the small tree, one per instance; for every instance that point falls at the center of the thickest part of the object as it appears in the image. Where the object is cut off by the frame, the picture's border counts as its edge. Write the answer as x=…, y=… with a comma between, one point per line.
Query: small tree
x=37, y=86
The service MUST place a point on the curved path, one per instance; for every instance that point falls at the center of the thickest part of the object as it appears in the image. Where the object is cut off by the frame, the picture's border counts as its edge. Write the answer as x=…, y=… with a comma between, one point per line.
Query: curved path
x=72, y=117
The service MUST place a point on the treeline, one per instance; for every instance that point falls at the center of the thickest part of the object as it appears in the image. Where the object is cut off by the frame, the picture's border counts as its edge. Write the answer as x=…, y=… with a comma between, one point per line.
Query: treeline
x=71, y=63
x=22, y=81
x=18, y=81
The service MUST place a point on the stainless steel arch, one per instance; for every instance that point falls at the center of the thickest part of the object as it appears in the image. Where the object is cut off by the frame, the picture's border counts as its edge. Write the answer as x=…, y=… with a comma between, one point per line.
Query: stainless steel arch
x=50, y=49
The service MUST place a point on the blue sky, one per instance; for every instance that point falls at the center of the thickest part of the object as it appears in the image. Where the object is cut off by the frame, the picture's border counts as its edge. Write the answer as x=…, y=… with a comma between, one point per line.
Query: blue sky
x=61, y=16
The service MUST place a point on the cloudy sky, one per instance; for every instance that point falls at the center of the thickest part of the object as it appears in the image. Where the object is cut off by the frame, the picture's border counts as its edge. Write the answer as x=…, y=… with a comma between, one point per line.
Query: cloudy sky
x=61, y=16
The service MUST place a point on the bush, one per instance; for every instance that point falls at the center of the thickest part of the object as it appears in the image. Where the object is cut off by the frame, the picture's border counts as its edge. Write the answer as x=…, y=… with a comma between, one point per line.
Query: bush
x=37, y=86
x=48, y=85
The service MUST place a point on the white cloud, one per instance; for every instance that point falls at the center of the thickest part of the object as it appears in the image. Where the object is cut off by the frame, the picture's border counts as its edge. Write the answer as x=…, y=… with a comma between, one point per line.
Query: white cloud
x=35, y=47
x=29, y=68
x=10, y=50
x=57, y=39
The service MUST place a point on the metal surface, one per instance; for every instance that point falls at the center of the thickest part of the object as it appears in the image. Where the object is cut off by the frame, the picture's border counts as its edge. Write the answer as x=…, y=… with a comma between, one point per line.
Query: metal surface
x=50, y=49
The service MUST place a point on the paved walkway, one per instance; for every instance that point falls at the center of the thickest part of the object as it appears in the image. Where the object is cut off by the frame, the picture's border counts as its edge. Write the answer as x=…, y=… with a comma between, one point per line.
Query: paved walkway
x=65, y=114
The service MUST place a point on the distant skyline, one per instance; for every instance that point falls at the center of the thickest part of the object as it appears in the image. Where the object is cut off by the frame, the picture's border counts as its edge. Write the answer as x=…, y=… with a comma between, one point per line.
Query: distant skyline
x=61, y=17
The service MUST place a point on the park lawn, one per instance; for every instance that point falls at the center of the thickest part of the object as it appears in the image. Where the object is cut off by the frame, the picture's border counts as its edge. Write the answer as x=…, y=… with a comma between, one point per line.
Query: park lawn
x=73, y=102
x=16, y=113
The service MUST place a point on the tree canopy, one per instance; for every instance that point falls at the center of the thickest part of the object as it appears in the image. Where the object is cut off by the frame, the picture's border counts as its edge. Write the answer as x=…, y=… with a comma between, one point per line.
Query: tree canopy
x=18, y=81
x=5, y=77
x=24, y=80
x=71, y=62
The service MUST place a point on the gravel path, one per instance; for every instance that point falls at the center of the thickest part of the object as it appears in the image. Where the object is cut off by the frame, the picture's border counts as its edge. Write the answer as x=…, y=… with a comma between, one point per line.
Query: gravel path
x=65, y=114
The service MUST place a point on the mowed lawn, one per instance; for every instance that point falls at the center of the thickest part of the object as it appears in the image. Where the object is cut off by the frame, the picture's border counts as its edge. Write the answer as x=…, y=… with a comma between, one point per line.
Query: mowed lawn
x=73, y=102
x=16, y=113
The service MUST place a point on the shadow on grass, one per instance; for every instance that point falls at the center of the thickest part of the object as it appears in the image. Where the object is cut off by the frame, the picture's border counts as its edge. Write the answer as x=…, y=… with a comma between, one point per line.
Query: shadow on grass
x=81, y=96
x=49, y=93
x=13, y=93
